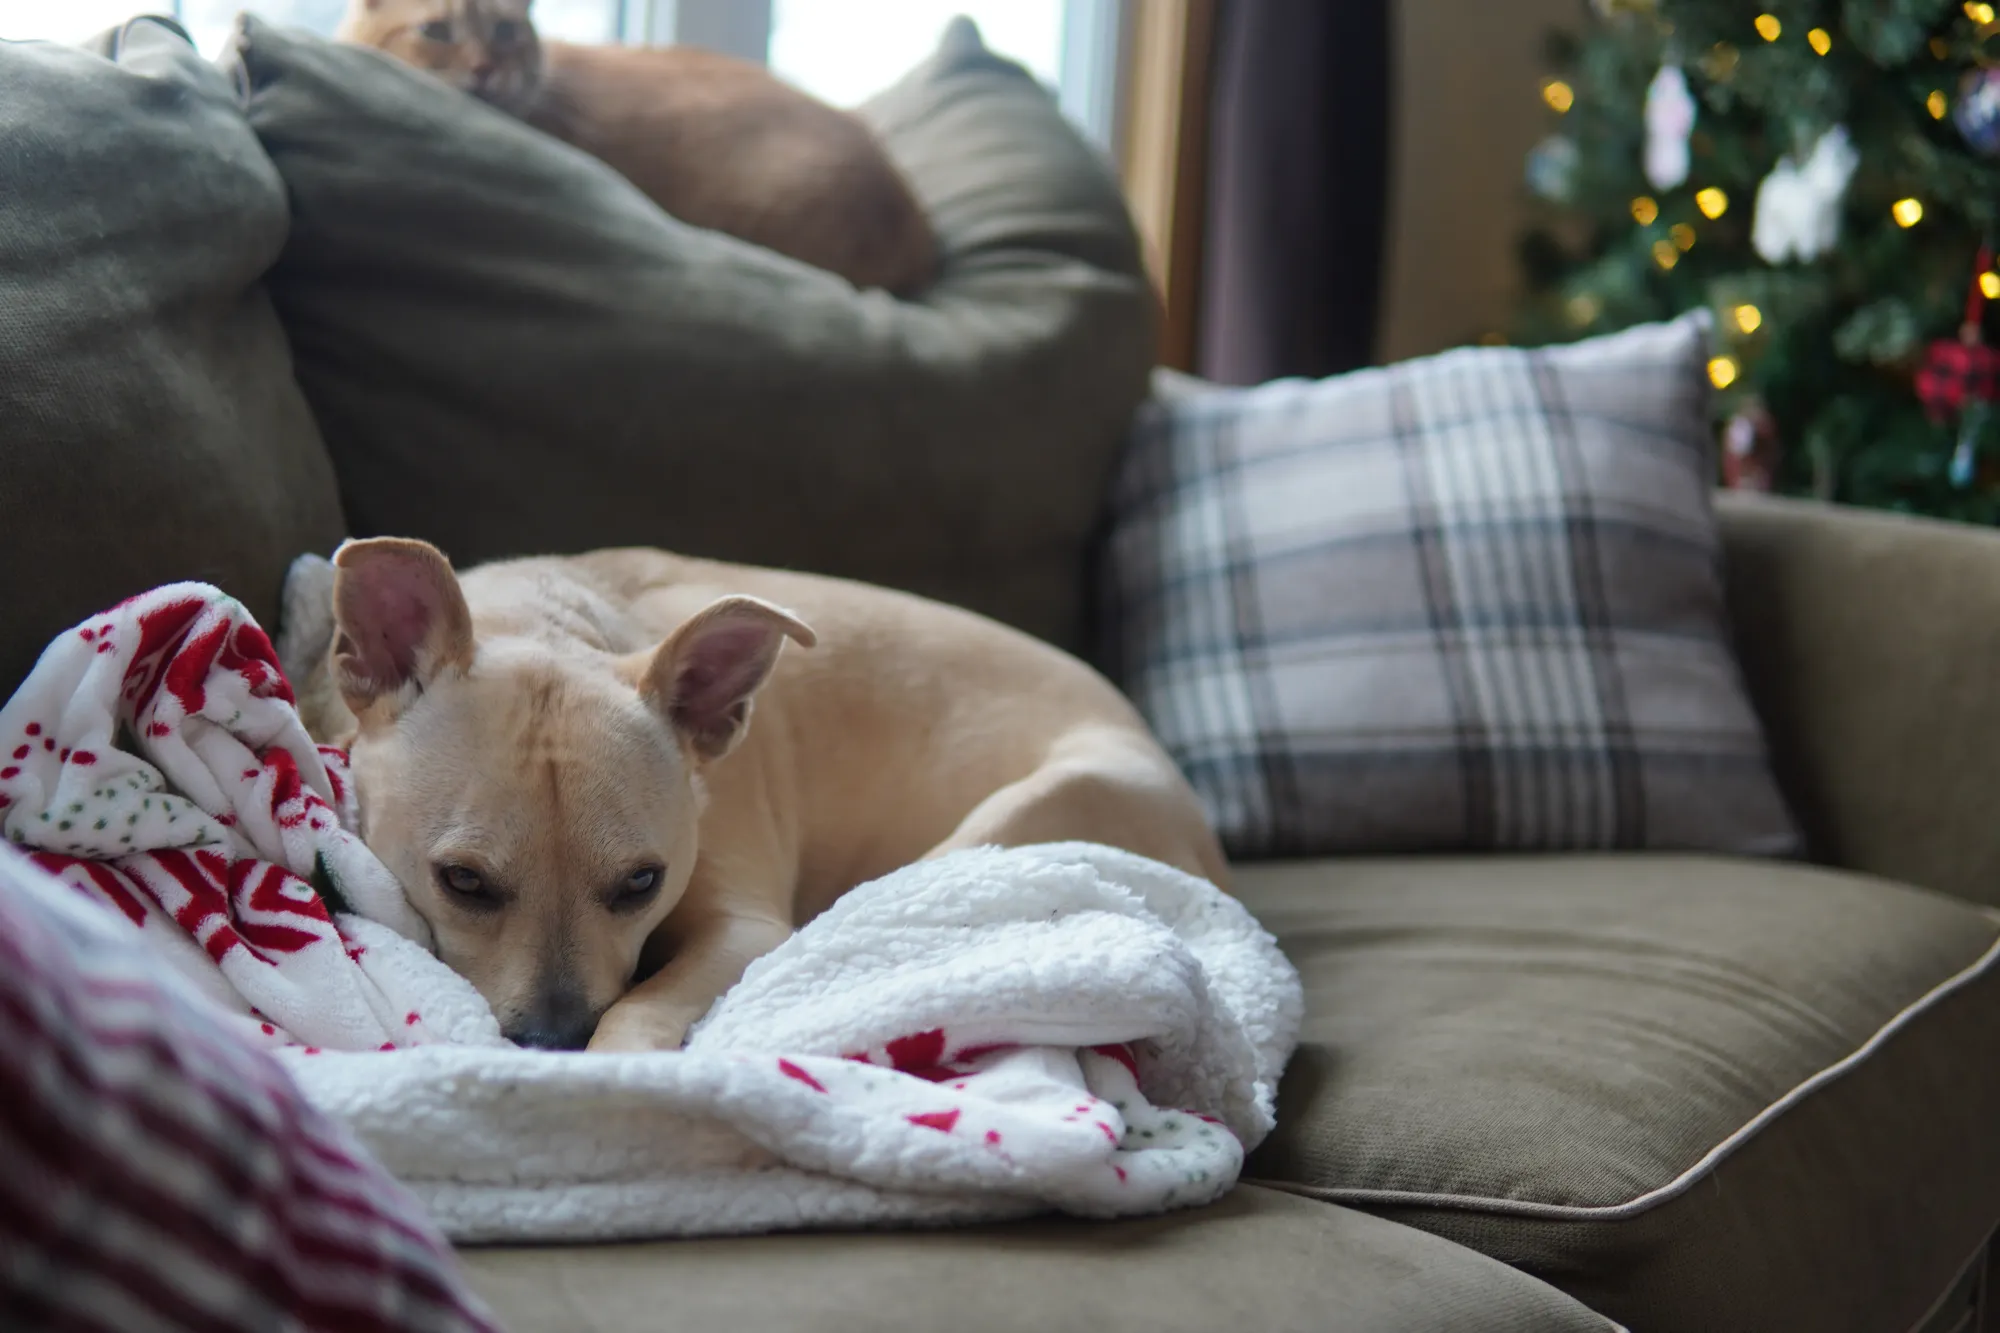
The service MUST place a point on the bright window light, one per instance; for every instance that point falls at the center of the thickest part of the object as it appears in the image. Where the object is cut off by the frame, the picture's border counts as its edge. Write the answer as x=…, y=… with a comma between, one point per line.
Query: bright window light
x=848, y=50
x=844, y=51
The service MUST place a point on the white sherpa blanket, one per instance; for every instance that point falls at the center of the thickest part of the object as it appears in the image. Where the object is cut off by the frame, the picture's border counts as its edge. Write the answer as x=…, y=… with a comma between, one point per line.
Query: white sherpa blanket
x=987, y=1035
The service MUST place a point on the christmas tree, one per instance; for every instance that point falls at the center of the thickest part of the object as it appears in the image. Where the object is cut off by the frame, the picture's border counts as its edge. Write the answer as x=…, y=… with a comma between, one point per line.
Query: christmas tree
x=1821, y=174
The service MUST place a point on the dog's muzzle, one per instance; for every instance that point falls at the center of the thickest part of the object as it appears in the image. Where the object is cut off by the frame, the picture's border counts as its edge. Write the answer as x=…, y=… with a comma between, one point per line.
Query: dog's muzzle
x=558, y=1020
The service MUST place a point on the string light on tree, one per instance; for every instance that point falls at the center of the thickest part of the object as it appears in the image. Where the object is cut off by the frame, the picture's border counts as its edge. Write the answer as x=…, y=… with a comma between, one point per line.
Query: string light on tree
x=1907, y=212
x=1559, y=95
x=1712, y=202
x=1645, y=210
x=1722, y=371
x=1989, y=285
x=1820, y=40
x=1979, y=11
x=1666, y=254
x=1937, y=104
x=1748, y=318
x=1683, y=235
x=1769, y=28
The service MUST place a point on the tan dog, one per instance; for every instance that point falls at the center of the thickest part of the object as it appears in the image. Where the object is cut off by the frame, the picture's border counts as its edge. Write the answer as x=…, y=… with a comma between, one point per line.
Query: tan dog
x=556, y=758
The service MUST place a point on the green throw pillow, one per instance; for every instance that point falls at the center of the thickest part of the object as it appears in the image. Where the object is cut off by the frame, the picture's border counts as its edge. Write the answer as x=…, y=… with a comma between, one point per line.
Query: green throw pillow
x=510, y=350
x=150, y=428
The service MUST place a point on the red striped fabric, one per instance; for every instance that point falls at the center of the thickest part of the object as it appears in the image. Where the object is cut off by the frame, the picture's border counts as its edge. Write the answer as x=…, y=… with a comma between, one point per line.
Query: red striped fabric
x=158, y=1173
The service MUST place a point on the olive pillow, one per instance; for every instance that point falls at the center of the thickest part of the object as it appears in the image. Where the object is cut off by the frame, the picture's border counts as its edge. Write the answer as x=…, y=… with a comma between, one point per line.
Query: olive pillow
x=150, y=428
x=510, y=350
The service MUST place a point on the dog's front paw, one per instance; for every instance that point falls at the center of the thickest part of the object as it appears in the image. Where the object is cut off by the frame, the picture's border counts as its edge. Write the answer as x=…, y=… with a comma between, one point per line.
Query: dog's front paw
x=637, y=1031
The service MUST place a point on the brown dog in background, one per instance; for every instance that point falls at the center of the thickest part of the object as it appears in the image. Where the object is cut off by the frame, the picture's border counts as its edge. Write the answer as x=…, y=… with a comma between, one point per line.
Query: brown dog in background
x=715, y=141
x=555, y=756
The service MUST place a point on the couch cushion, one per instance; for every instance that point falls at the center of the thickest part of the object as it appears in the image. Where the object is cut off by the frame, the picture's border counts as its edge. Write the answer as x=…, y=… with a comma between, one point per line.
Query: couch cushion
x=511, y=350
x=1468, y=603
x=1697, y=1094
x=149, y=422
x=1258, y=1259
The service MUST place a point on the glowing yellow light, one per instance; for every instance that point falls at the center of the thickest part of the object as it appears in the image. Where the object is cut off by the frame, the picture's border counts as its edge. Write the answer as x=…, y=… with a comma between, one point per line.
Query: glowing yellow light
x=1665, y=254
x=1989, y=286
x=1722, y=371
x=1683, y=235
x=1768, y=27
x=1907, y=212
x=1712, y=202
x=1820, y=40
x=1936, y=104
x=1558, y=95
x=1979, y=11
x=1644, y=210
x=1583, y=309
x=1748, y=318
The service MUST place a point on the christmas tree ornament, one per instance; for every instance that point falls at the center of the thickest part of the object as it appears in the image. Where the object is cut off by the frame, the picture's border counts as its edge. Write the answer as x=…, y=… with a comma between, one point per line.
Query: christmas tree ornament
x=1669, y=122
x=1960, y=379
x=1751, y=449
x=1552, y=168
x=1977, y=114
x=1798, y=204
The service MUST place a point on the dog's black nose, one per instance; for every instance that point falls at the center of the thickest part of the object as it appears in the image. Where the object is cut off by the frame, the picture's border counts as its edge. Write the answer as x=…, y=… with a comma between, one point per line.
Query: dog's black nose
x=558, y=1020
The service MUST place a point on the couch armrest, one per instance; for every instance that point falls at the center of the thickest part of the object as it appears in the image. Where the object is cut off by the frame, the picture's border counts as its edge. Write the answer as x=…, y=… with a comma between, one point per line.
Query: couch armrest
x=1872, y=648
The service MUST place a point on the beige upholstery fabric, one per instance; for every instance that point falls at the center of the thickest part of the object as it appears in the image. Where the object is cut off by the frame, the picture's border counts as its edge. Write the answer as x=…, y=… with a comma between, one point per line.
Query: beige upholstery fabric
x=1870, y=643
x=149, y=425
x=1258, y=1261
x=1697, y=1094
x=510, y=350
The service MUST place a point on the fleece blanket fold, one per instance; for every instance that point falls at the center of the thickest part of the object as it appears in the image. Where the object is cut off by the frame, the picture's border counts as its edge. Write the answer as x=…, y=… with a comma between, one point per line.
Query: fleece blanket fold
x=987, y=1035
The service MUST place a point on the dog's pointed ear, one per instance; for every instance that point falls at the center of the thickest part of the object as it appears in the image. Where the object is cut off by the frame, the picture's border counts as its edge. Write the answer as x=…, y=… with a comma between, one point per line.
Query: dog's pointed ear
x=703, y=678
x=399, y=617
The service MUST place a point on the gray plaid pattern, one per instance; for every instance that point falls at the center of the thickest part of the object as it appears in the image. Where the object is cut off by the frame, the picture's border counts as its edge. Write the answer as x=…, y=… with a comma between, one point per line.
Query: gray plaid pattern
x=1472, y=602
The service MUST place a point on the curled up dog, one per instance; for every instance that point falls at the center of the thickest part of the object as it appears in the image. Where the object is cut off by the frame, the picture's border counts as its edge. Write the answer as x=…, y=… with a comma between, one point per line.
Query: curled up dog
x=609, y=782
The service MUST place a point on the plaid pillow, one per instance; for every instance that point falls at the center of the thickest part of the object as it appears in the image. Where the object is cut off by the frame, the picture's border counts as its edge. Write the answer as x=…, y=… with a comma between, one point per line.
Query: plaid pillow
x=159, y=1173
x=1472, y=602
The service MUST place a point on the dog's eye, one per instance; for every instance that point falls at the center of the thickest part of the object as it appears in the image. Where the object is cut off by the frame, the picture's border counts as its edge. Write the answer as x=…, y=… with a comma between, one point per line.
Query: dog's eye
x=638, y=888
x=437, y=30
x=467, y=885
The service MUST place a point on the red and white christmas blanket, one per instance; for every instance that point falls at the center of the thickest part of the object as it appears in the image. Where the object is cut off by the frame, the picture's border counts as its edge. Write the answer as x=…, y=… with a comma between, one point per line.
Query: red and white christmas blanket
x=987, y=1035
x=154, y=760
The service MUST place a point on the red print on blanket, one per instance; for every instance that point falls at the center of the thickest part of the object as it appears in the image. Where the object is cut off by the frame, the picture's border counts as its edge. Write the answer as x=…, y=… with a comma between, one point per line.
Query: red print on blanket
x=205, y=825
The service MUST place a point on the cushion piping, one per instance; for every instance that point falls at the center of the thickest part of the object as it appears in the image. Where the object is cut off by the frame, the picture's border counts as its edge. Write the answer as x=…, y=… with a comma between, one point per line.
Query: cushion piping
x=1693, y=1174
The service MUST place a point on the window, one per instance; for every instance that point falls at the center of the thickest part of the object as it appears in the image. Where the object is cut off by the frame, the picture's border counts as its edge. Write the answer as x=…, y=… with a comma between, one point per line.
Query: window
x=840, y=50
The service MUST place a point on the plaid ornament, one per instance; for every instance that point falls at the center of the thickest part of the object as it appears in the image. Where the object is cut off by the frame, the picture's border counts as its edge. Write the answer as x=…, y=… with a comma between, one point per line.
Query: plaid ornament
x=1962, y=372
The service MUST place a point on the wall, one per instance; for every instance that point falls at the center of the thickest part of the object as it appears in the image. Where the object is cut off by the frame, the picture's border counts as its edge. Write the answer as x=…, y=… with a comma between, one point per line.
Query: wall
x=1468, y=108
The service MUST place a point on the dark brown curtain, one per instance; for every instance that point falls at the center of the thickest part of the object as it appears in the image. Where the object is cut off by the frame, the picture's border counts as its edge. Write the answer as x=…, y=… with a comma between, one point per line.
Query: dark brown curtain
x=1298, y=176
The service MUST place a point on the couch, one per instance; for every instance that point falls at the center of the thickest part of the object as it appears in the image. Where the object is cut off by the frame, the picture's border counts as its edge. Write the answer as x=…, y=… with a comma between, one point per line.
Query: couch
x=1664, y=1092
x=1516, y=1059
